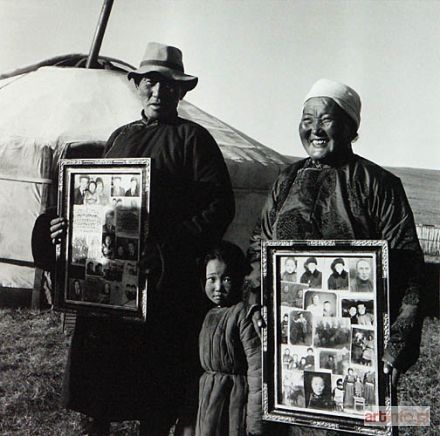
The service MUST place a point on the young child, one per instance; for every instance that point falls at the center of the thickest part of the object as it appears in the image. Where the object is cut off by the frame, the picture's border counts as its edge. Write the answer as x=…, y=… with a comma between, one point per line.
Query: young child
x=230, y=388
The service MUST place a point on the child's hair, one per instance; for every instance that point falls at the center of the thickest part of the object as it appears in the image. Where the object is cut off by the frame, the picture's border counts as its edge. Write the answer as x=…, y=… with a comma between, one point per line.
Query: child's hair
x=237, y=265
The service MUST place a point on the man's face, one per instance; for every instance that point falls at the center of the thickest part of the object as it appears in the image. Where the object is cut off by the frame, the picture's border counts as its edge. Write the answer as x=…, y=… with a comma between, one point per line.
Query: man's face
x=117, y=182
x=323, y=128
x=318, y=385
x=327, y=306
x=131, y=248
x=133, y=185
x=159, y=96
x=363, y=270
x=315, y=299
x=361, y=309
x=339, y=268
x=290, y=266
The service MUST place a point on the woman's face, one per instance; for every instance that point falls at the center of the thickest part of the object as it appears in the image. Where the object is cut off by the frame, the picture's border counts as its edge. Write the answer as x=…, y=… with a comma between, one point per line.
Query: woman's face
x=323, y=128
x=92, y=187
x=315, y=299
x=77, y=286
x=218, y=286
x=312, y=267
x=339, y=268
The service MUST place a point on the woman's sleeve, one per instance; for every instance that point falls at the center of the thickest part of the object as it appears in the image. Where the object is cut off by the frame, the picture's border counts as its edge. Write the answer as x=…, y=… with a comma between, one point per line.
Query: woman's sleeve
x=252, y=348
x=396, y=225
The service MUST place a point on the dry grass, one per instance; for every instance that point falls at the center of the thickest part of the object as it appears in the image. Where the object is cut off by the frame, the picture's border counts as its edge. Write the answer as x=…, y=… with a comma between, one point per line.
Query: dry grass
x=33, y=350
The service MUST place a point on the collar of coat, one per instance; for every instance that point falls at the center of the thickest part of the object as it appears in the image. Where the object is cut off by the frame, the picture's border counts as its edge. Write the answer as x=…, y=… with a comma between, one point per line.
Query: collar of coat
x=172, y=119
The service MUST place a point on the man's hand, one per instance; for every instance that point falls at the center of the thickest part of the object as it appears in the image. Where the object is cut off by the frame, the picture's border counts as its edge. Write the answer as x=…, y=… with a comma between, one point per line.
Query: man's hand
x=58, y=229
x=395, y=373
x=257, y=319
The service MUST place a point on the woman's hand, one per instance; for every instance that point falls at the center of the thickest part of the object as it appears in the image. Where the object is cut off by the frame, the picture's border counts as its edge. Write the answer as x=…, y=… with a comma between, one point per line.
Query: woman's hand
x=395, y=373
x=58, y=229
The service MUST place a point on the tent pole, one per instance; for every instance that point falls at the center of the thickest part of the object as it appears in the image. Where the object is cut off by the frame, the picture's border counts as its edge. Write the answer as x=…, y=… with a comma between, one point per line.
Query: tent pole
x=99, y=33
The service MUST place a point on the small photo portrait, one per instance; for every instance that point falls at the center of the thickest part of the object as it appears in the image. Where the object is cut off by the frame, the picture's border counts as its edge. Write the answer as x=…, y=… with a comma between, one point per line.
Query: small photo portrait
x=130, y=295
x=361, y=275
x=116, y=189
x=338, y=392
x=81, y=185
x=359, y=390
x=113, y=271
x=108, y=228
x=116, y=203
x=338, y=279
x=335, y=361
x=307, y=360
x=103, y=190
x=300, y=332
x=320, y=303
x=292, y=389
x=80, y=250
x=126, y=249
x=369, y=381
x=317, y=387
x=104, y=296
x=94, y=268
x=108, y=246
x=130, y=269
x=127, y=222
x=288, y=269
x=93, y=288
x=362, y=347
x=332, y=333
x=312, y=276
x=289, y=358
x=292, y=294
x=360, y=312
x=91, y=196
x=133, y=190
x=284, y=328
x=76, y=290
x=116, y=294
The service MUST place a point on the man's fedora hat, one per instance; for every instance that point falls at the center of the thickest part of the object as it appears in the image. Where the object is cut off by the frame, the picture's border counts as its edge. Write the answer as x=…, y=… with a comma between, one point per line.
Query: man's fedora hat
x=167, y=61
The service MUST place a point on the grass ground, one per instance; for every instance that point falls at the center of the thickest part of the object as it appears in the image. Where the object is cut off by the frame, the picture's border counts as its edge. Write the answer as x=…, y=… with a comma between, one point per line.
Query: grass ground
x=33, y=350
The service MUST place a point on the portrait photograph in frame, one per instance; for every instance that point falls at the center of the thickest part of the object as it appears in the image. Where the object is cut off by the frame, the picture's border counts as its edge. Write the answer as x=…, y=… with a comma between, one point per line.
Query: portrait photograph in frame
x=322, y=356
x=106, y=204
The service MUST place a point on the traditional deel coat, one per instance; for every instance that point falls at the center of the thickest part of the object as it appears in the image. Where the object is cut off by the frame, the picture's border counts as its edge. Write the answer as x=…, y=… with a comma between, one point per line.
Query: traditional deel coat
x=353, y=199
x=230, y=388
x=120, y=370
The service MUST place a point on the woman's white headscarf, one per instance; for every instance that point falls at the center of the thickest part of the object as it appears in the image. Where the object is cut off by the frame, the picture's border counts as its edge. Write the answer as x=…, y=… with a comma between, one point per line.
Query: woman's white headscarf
x=344, y=96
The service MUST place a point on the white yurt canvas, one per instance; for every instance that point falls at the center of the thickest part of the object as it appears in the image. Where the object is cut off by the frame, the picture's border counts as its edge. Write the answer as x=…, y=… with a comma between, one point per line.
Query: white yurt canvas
x=43, y=111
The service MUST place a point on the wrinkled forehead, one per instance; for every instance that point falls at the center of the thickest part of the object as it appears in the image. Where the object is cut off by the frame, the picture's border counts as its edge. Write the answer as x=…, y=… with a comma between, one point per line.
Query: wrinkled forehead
x=321, y=105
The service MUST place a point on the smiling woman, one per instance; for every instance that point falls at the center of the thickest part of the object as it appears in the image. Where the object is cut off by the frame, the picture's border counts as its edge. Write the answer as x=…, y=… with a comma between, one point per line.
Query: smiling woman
x=335, y=194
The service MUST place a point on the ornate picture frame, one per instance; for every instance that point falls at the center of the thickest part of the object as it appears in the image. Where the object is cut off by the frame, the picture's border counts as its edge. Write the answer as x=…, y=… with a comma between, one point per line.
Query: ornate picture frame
x=106, y=203
x=326, y=309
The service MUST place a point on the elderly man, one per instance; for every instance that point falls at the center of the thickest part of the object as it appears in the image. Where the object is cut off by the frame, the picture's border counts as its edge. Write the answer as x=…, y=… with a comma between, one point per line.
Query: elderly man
x=117, y=370
x=336, y=194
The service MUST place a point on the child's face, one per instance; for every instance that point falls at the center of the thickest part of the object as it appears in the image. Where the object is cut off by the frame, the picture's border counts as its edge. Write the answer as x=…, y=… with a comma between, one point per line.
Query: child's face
x=318, y=385
x=218, y=285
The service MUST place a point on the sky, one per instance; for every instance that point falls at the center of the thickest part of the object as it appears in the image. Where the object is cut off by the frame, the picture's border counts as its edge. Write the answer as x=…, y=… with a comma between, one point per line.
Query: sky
x=257, y=59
